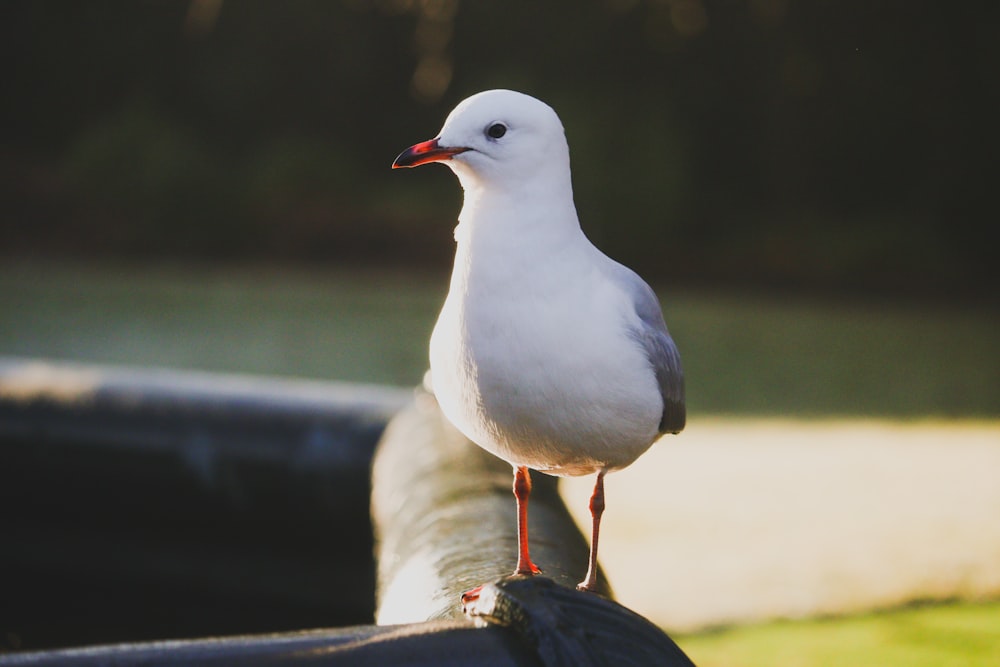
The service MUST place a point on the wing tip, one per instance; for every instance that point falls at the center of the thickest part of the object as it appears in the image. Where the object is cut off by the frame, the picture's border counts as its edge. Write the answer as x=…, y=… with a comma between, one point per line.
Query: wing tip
x=674, y=419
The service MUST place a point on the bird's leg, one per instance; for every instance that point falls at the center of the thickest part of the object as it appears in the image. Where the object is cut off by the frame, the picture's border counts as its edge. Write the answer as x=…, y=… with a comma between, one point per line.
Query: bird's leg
x=596, y=510
x=522, y=490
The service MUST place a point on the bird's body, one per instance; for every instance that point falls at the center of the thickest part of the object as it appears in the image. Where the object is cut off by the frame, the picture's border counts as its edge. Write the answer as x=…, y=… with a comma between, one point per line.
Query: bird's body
x=546, y=353
x=516, y=357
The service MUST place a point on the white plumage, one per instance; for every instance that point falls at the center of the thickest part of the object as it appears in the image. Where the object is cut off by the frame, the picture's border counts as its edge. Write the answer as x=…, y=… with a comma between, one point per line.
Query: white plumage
x=546, y=353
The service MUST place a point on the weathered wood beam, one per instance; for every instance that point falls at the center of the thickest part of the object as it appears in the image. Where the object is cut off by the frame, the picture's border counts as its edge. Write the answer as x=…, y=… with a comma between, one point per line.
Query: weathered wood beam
x=444, y=521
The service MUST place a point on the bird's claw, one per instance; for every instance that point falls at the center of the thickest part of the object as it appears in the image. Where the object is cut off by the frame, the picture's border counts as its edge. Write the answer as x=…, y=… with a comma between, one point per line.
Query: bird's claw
x=469, y=597
x=526, y=569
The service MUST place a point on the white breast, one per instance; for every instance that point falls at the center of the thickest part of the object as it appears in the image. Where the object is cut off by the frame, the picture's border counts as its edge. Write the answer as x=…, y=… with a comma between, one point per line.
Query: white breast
x=538, y=368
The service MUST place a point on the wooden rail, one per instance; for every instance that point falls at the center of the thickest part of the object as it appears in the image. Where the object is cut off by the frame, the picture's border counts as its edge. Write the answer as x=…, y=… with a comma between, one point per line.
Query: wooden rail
x=151, y=505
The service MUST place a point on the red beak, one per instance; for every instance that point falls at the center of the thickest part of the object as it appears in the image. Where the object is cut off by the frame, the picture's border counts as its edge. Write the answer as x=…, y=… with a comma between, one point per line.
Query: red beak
x=424, y=152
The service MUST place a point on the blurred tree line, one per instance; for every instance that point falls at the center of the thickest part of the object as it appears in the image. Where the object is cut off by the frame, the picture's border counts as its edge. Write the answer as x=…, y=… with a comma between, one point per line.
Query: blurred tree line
x=844, y=145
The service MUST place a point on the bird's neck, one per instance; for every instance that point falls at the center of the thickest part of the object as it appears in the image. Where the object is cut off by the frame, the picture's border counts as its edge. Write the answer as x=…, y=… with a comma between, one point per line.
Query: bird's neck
x=530, y=210
x=508, y=236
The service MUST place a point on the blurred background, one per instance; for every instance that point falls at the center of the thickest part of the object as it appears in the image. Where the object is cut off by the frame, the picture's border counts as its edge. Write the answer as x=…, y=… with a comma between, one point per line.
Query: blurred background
x=202, y=169
x=843, y=146
x=206, y=184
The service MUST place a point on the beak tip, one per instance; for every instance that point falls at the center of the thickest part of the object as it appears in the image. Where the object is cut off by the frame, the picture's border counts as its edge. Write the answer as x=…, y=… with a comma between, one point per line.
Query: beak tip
x=422, y=153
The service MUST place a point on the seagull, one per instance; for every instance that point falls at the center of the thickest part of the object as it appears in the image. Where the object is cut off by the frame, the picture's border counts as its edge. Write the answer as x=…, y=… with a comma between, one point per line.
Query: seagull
x=546, y=353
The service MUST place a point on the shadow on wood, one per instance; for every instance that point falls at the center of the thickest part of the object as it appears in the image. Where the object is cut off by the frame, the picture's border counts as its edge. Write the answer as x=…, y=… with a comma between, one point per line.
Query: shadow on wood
x=434, y=644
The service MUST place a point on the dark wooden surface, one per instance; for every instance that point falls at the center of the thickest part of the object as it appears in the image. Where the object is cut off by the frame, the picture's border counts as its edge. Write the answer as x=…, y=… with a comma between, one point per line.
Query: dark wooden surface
x=438, y=644
x=445, y=519
x=147, y=505
x=140, y=504
x=445, y=522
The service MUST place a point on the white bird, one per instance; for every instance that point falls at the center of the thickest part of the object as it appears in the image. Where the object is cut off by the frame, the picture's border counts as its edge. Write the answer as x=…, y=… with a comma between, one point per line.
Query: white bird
x=546, y=353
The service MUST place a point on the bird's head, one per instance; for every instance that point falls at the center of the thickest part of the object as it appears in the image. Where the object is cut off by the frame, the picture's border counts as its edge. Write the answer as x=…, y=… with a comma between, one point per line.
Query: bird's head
x=497, y=139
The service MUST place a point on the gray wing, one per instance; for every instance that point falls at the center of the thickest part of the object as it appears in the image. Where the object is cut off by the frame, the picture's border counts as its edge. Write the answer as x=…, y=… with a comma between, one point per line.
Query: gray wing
x=652, y=334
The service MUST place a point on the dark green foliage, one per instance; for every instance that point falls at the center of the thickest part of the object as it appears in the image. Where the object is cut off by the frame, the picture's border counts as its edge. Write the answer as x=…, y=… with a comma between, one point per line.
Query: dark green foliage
x=843, y=145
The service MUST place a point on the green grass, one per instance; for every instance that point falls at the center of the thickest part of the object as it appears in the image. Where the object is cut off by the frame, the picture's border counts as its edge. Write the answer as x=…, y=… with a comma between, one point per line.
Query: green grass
x=361, y=327
x=953, y=635
x=794, y=356
x=752, y=355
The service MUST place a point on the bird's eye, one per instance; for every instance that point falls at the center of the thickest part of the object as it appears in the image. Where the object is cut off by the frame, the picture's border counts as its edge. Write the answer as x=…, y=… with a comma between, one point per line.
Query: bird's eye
x=496, y=130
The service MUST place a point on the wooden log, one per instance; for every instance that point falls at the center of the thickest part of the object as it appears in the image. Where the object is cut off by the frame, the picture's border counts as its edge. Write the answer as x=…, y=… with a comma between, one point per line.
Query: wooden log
x=435, y=644
x=569, y=627
x=152, y=504
x=104, y=458
x=444, y=520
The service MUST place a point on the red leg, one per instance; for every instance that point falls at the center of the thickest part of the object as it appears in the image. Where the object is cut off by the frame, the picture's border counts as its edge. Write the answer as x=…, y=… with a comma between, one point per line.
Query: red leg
x=596, y=510
x=522, y=490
